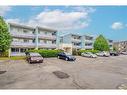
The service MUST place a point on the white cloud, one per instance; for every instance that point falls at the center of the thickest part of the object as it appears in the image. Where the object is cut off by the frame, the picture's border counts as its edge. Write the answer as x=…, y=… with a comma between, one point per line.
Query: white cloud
x=13, y=20
x=62, y=20
x=84, y=9
x=117, y=25
x=4, y=9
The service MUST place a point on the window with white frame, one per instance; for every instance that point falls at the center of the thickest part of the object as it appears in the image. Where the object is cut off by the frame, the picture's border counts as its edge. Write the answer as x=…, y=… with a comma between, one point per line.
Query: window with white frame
x=14, y=49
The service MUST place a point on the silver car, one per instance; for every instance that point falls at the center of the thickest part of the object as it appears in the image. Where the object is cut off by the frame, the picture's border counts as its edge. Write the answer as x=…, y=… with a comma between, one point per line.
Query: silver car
x=89, y=54
x=103, y=53
x=124, y=53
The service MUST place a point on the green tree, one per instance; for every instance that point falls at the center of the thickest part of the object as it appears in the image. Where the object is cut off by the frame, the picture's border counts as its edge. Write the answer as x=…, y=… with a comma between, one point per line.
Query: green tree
x=101, y=44
x=5, y=37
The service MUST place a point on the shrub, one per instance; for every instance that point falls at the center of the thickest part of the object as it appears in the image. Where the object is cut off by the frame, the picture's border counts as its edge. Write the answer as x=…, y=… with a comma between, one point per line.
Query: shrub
x=4, y=54
x=93, y=51
x=74, y=52
x=46, y=53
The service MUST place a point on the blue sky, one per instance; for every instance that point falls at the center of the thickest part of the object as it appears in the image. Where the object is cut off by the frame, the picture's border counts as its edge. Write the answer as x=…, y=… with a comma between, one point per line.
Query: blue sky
x=111, y=21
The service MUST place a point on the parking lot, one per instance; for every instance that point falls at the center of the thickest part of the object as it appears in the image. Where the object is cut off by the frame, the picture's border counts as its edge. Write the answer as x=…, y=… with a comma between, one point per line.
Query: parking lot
x=85, y=73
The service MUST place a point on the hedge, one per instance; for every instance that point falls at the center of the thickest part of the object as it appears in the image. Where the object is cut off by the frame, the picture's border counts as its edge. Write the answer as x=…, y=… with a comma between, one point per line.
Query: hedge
x=46, y=53
x=4, y=54
x=93, y=51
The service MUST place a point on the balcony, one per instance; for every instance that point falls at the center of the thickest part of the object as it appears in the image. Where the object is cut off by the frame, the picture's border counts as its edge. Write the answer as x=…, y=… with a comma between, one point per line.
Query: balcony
x=48, y=37
x=76, y=46
x=17, y=54
x=76, y=40
x=21, y=35
x=43, y=45
x=88, y=47
x=89, y=41
x=110, y=43
x=21, y=44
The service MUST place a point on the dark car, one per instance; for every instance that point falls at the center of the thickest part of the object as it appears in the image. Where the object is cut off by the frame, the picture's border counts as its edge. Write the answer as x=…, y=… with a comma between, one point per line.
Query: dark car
x=114, y=53
x=66, y=56
x=34, y=58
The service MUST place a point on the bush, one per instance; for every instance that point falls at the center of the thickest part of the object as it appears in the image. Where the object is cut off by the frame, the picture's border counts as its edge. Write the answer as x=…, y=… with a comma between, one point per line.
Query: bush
x=93, y=51
x=46, y=53
x=4, y=54
x=74, y=52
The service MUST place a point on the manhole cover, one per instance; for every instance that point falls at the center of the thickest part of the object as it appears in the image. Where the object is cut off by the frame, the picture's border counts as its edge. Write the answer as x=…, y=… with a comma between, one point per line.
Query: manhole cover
x=61, y=75
x=1, y=72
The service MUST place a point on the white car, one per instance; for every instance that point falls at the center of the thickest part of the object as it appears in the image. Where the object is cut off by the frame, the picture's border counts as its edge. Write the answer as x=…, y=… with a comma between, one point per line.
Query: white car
x=89, y=54
x=103, y=53
x=124, y=53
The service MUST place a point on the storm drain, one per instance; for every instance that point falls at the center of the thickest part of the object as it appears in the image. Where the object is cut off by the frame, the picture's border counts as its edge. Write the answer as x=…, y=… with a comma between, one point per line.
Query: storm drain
x=61, y=75
x=2, y=72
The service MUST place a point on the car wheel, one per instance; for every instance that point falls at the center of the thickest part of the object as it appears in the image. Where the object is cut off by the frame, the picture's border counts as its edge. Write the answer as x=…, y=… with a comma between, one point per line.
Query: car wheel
x=29, y=61
x=66, y=59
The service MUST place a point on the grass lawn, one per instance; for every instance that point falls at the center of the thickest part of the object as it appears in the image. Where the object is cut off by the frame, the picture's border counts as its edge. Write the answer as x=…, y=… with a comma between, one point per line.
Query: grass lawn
x=13, y=58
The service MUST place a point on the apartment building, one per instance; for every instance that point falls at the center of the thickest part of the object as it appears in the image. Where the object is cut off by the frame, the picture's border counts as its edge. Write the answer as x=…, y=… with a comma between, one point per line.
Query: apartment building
x=72, y=42
x=87, y=42
x=26, y=37
x=74, y=39
x=120, y=46
x=110, y=42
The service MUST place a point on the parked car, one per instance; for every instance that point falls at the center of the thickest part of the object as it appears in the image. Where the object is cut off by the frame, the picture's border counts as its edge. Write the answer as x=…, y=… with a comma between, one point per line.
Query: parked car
x=89, y=54
x=124, y=52
x=66, y=56
x=34, y=58
x=114, y=53
x=103, y=54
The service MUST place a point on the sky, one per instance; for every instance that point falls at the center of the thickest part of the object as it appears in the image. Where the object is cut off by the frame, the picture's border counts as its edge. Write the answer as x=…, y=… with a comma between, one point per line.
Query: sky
x=110, y=21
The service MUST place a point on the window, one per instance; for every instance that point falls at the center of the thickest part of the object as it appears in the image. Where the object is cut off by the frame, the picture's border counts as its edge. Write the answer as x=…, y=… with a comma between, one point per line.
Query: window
x=88, y=38
x=46, y=33
x=14, y=49
x=22, y=50
x=25, y=31
x=45, y=41
x=25, y=40
x=15, y=40
x=38, y=32
x=13, y=29
x=54, y=33
x=53, y=42
x=33, y=32
x=88, y=44
x=33, y=40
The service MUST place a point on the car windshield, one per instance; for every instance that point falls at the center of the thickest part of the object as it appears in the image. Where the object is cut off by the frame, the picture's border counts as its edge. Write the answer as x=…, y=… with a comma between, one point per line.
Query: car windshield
x=68, y=54
x=89, y=53
x=35, y=55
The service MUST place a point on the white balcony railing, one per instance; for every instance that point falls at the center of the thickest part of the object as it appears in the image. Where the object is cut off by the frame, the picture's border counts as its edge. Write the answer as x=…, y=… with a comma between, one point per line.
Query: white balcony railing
x=76, y=40
x=21, y=44
x=43, y=45
x=21, y=35
x=89, y=41
x=50, y=37
x=110, y=43
x=76, y=46
x=88, y=47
